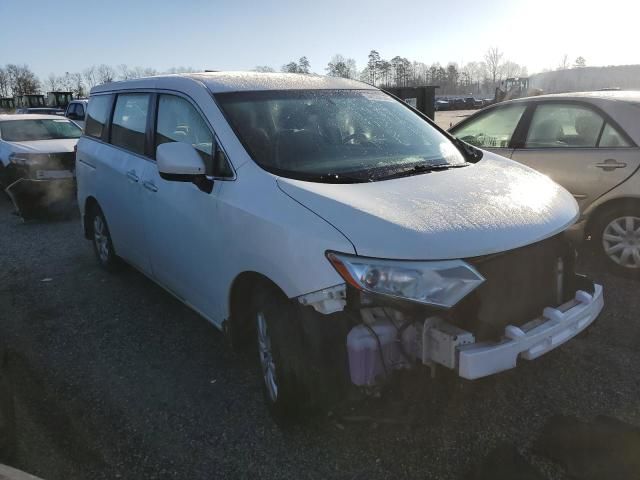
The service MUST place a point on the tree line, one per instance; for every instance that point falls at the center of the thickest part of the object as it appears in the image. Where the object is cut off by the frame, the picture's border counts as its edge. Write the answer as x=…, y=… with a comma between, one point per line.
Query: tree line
x=18, y=80
x=472, y=77
x=475, y=77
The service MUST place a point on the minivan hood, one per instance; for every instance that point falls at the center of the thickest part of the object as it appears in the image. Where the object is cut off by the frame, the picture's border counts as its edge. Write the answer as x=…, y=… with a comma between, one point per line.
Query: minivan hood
x=44, y=146
x=488, y=207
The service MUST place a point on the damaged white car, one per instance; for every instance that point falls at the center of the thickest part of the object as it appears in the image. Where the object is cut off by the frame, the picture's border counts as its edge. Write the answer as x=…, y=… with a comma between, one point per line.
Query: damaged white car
x=332, y=225
x=37, y=161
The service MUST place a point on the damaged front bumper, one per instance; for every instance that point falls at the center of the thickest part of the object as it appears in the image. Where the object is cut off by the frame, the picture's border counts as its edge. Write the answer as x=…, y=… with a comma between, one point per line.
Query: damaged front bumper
x=34, y=196
x=388, y=340
x=533, y=339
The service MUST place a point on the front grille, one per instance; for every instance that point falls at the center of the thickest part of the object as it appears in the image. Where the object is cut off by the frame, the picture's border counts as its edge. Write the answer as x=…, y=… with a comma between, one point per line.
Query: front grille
x=519, y=284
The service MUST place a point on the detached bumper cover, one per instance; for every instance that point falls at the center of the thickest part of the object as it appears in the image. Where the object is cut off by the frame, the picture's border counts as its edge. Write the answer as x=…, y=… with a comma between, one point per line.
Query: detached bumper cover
x=530, y=341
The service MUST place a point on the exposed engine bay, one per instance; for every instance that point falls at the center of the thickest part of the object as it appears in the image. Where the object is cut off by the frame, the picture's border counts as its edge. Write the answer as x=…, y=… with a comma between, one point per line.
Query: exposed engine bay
x=531, y=301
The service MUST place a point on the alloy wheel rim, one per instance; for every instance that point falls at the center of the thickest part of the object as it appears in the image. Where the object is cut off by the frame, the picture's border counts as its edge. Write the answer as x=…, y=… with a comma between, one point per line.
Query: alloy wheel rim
x=266, y=357
x=621, y=241
x=100, y=239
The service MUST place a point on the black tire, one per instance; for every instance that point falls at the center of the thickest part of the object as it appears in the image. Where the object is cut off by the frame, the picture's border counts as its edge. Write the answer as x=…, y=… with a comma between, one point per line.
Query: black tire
x=7, y=415
x=604, y=234
x=284, y=335
x=309, y=355
x=101, y=240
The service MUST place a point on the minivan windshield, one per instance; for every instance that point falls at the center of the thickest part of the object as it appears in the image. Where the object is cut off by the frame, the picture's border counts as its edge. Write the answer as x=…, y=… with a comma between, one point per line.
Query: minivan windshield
x=329, y=135
x=38, y=129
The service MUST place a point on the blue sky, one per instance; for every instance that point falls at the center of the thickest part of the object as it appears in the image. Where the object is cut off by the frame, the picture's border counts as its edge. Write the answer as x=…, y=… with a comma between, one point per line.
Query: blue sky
x=240, y=34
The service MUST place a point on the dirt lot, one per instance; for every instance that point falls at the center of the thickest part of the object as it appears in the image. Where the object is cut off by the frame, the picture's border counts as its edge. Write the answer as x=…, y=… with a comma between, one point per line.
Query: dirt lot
x=115, y=379
x=448, y=119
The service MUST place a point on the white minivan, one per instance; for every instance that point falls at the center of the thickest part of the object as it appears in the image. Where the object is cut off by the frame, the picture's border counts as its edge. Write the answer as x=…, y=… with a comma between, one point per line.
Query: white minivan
x=331, y=224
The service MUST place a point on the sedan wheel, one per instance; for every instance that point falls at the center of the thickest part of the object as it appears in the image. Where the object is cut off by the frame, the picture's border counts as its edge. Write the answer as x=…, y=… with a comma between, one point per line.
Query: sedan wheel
x=266, y=357
x=621, y=241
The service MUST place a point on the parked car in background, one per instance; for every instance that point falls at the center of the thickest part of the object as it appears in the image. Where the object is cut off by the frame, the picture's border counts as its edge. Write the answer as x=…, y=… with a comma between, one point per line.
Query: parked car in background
x=587, y=142
x=441, y=105
x=77, y=111
x=37, y=161
x=469, y=103
x=40, y=111
x=333, y=225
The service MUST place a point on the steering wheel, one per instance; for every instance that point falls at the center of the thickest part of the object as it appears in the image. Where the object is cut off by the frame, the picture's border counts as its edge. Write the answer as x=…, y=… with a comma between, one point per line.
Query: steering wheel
x=359, y=136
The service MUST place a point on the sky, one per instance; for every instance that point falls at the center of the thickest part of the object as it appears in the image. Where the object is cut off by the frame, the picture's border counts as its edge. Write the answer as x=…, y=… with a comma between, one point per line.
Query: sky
x=57, y=36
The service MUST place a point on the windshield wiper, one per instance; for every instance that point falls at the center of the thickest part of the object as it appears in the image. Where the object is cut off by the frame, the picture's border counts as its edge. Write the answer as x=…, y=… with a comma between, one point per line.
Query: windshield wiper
x=421, y=168
x=339, y=178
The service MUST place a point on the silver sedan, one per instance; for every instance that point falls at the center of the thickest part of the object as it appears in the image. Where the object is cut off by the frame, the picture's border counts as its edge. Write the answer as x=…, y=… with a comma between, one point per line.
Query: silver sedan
x=588, y=143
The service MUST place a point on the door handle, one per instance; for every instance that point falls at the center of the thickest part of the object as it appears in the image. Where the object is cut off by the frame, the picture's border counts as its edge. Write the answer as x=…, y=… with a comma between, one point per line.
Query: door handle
x=149, y=186
x=131, y=175
x=610, y=164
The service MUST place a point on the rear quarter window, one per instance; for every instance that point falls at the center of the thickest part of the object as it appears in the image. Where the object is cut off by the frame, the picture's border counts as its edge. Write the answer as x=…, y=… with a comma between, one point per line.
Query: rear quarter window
x=97, y=115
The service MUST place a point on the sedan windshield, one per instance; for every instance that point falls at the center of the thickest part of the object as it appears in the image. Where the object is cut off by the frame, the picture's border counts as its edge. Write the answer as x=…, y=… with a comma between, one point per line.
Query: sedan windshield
x=38, y=129
x=336, y=135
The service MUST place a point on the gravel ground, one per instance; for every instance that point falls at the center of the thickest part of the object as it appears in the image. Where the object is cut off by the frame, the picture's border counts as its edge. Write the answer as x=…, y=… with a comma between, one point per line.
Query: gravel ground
x=114, y=378
x=447, y=119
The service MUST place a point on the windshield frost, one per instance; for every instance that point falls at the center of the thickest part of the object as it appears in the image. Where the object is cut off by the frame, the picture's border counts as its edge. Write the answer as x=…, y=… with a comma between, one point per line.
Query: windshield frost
x=315, y=133
x=29, y=130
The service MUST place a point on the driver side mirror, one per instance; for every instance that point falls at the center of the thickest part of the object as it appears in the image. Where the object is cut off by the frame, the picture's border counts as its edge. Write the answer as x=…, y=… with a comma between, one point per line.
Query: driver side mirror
x=180, y=162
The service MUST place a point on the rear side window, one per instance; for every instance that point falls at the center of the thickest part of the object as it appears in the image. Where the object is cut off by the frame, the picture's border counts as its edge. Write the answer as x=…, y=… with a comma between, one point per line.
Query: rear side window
x=564, y=126
x=97, y=115
x=130, y=121
x=611, y=138
x=493, y=129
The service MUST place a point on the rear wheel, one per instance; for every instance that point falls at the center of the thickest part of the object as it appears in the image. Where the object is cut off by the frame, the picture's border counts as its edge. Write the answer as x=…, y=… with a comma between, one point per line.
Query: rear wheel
x=101, y=239
x=617, y=239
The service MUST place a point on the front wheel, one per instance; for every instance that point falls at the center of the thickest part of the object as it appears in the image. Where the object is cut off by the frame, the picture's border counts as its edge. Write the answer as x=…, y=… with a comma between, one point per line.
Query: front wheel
x=101, y=239
x=278, y=341
x=617, y=239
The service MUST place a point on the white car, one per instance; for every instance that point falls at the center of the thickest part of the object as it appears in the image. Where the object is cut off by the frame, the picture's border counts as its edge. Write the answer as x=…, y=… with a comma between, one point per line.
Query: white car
x=332, y=223
x=77, y=111
x=37, y=160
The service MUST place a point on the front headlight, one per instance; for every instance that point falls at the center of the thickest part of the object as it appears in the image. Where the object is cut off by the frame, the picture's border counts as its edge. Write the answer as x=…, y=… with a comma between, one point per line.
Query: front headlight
x=440, y=283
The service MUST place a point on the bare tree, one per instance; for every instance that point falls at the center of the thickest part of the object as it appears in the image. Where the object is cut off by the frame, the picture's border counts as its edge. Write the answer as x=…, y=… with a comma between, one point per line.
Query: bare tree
x=4, y=83
x=372, y=66
x=493, y=58
x=340, y=66
x=564, y=64
x=105, y=74
x=78, y=85
x=124, y=72
x=53, y=82
x=580, y=62
x=291, y=67
x=303, y=65
x=22, y=81
x=511, y=69
x=90, y=75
